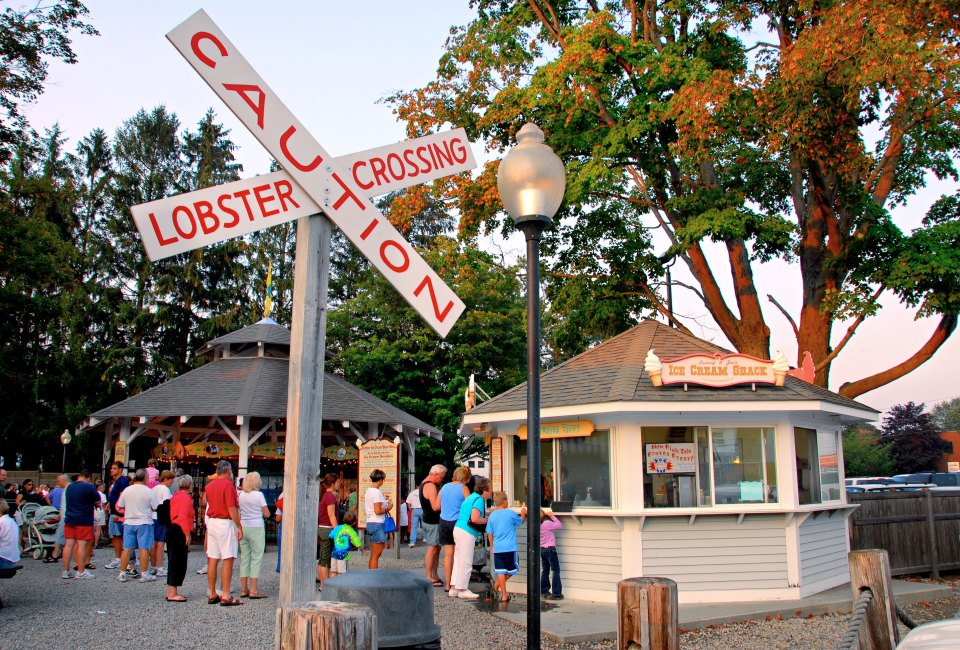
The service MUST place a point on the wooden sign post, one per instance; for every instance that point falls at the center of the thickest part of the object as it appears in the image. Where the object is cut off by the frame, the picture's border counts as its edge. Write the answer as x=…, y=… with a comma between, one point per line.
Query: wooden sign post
x=340, y=189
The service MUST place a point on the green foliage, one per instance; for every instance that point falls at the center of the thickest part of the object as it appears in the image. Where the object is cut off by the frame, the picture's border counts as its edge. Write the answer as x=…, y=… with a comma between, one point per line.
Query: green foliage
x=29, y=39
x=946, y=415
x=382, y=345
x=865, y=456
x=913, y=438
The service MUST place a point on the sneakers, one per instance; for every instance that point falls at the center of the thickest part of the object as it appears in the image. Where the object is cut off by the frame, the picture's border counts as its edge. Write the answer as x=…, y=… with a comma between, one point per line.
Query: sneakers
x=113, y=564
x=466, y=594
x=453, y=593
x=553, y=596
x=202, y=570
x=161, y=572
x=132, y=573
x=148, y=577
x=152, y=571
x=122, y=577
x=67, y=575
x=411, y=545
x=86, y=574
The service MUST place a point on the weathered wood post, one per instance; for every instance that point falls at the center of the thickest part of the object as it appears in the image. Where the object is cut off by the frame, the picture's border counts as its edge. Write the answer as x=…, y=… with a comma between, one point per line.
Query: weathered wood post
x=648, y=611
x=871, y=569
x=933, y=552
x=325, y=625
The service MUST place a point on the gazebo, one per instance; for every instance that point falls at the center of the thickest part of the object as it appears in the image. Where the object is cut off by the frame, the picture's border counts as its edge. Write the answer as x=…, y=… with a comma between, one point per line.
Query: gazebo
x=235, y=406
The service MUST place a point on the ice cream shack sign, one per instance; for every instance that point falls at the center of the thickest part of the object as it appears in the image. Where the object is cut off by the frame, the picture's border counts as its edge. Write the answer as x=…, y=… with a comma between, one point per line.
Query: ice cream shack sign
x=716, y=370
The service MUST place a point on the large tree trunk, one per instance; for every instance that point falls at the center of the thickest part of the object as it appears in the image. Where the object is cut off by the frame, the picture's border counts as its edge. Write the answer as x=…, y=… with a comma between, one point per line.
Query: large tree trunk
x=944, y=329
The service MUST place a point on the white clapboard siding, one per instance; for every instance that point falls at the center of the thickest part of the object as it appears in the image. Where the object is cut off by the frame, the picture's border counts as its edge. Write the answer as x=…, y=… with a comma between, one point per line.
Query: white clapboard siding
x=717, y=553
x=589, y=551
x=823, y=549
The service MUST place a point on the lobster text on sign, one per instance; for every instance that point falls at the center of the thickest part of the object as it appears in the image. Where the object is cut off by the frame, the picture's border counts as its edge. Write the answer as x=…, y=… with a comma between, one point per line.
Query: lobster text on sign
x=187, y=221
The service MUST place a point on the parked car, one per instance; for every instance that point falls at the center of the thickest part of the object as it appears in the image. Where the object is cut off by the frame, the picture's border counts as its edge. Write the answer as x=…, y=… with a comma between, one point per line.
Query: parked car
x=891, y=487
x=868, y=480
x=940, y=479
x=939, y=635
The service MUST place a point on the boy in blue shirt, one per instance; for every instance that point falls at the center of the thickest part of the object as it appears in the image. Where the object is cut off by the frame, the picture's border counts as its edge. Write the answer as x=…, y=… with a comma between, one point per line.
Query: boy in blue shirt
x=502, y=527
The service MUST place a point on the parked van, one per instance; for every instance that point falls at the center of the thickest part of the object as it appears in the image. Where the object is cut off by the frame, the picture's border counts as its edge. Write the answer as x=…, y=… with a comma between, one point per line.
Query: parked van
x=940, y=479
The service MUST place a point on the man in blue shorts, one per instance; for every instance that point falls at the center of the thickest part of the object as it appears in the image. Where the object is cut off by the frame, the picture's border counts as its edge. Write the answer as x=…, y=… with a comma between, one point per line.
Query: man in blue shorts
x=138, y=503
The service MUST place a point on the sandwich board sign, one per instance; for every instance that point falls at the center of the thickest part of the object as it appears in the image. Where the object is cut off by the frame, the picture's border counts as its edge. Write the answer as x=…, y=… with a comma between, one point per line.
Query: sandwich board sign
x=315, y=171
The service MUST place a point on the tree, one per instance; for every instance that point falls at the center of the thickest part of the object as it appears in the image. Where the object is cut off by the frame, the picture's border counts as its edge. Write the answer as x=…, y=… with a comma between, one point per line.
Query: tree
x=384, y=347
x=781, y=129
x=29, y=39
x=865, y=455
x=946, y=415
x=914, y=441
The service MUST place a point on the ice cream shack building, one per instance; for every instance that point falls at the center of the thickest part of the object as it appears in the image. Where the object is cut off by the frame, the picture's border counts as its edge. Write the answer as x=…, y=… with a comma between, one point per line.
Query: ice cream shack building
x=667, y=456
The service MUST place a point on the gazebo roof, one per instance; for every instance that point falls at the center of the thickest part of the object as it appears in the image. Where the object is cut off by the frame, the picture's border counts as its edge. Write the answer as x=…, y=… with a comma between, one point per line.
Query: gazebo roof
x=266, y=330
x=253, y=387
x=613, y=372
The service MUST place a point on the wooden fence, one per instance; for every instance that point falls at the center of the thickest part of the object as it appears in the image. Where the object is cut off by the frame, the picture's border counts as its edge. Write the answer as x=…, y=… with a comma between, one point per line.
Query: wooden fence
x=919, y=530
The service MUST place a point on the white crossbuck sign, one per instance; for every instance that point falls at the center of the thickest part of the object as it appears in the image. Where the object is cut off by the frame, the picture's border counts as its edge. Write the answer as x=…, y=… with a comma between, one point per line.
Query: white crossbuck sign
x=330, y=184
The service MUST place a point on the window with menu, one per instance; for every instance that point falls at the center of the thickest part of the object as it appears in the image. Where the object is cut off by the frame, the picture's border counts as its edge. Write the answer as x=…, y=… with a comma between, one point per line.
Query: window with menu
x=573, y=470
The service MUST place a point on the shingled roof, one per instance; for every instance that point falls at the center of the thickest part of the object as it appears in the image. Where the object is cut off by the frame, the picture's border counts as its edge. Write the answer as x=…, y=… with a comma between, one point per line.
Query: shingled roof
x=254, y=386
x=613, y=372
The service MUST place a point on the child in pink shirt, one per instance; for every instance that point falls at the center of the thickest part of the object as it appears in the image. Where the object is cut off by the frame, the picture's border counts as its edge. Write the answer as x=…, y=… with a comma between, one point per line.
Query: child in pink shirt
x=549, y=561
x=153, y=474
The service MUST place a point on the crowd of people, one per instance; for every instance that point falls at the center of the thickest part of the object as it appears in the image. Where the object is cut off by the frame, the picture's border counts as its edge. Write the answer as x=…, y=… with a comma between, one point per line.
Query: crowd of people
x=150, y=517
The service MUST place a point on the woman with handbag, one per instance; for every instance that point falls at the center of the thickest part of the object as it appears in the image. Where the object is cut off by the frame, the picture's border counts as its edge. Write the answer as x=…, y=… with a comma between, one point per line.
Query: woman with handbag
x=470, y=524
x=376, y=508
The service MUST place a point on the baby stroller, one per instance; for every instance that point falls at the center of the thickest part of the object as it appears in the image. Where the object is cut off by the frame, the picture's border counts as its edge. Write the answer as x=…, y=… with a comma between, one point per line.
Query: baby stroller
x=40, y=524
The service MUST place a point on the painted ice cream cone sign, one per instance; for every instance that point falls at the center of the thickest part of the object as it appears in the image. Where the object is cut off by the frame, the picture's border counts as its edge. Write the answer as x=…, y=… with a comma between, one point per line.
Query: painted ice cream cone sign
x=715, y=370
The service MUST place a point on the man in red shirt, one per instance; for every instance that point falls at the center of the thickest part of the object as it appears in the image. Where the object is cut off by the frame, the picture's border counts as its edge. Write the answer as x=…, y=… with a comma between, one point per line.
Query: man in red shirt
x=224, y=533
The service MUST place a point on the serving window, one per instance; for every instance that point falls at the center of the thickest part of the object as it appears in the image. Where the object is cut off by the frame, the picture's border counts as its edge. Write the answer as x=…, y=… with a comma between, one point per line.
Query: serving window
x=574, y=471
x=702, y=466
x=818, y=468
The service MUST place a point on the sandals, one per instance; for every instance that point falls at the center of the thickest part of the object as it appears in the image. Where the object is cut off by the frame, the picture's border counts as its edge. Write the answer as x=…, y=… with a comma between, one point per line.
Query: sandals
x=438, y=583
x=230, y=602
x=51, y=560
x=213, y=600
x=244, y=594
x=256, y=596
x=178, y=599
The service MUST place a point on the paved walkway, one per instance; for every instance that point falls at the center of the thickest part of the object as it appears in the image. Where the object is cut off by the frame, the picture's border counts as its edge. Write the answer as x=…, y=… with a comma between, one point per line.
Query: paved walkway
x=574, y=621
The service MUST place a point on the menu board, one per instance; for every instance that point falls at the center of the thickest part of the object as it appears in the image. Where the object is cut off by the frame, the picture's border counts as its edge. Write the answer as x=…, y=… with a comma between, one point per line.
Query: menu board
x=496, y=464
x=380, y=454
x=671, y=458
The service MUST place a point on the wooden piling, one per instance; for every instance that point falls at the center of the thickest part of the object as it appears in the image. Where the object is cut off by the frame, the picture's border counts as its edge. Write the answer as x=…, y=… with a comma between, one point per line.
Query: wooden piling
x=647, y=614
x=325, y=625
x=871, y=569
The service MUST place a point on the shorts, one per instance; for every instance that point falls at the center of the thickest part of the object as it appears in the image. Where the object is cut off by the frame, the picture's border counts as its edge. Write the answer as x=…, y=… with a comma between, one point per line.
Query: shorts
x=116, y=528
x=431, y=534
x=324, y=546
x=138, y=537
x=99, y=517
x=375, y=530
x=159, y=532
x=58, y=536
x=222, y=541
x=338, y=566
x=79, y=533
x=446, y=532
x=506, y=564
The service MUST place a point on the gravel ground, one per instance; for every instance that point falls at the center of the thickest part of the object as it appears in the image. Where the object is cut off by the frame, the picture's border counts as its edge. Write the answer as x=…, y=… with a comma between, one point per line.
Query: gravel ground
x=43, y=611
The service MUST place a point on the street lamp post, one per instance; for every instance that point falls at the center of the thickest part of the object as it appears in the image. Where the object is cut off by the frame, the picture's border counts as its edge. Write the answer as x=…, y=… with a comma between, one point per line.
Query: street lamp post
x=65, y=438
x=531, y=183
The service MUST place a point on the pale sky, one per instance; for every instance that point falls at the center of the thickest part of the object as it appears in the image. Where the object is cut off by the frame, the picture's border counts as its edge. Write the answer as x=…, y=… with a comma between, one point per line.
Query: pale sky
x=330, y=63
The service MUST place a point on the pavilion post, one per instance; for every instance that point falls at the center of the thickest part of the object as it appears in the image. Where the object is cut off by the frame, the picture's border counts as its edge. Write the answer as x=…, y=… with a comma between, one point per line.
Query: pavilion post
x=301, y=486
